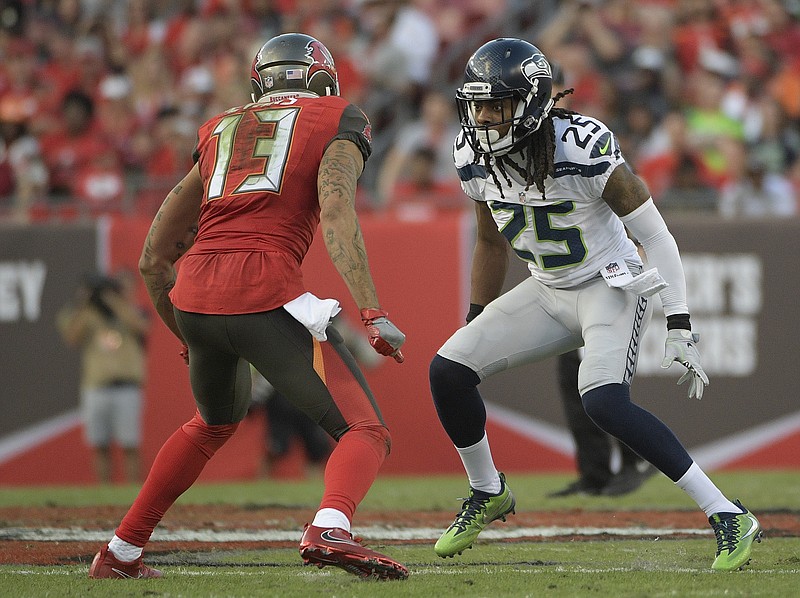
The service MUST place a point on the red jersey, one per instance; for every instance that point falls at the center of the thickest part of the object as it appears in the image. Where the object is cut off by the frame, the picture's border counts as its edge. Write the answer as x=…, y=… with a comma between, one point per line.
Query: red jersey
x=260, y=211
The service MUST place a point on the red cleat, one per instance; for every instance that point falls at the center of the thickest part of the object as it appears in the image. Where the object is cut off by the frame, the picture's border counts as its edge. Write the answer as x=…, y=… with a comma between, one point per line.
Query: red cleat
x=106, y=566
x=322, y=546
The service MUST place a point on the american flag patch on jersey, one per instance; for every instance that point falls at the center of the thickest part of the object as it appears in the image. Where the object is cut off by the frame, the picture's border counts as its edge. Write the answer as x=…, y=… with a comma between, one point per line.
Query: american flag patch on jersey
x=294, y=73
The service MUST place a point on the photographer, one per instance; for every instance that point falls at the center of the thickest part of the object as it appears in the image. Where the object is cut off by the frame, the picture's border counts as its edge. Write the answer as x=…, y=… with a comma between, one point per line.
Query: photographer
x=104, y=322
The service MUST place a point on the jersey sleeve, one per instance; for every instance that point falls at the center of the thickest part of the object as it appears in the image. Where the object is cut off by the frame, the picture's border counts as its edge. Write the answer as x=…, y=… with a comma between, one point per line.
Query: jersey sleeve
x=203, y=137
x=200, y=142
x=588, y=153
x=471, y=174
x=196, y=150
x=355, y=126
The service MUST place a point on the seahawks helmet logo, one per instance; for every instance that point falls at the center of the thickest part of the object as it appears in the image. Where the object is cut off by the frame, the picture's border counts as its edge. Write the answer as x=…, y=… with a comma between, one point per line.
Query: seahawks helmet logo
x=536, y=66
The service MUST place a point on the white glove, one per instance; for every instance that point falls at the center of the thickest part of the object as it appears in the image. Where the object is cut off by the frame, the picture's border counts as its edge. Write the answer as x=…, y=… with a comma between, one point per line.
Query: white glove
x=680, y=347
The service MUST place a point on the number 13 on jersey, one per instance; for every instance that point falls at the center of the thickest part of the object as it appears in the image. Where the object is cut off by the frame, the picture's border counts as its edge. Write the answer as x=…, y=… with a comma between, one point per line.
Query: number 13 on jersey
x=270, y=151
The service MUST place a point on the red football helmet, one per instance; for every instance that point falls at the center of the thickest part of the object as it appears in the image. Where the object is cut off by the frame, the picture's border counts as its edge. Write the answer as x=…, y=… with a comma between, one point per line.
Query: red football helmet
x=294, y=61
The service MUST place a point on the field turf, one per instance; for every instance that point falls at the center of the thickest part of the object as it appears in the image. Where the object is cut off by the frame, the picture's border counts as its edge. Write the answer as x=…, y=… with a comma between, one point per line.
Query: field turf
x=240, y=539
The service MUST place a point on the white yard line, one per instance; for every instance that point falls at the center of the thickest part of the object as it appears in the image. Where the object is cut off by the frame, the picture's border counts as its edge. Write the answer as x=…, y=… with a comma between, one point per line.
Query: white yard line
x=234, y=571
x=52, y=534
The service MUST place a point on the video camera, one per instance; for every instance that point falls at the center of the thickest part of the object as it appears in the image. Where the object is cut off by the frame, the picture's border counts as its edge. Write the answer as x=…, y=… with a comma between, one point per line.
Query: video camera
x=97, y=285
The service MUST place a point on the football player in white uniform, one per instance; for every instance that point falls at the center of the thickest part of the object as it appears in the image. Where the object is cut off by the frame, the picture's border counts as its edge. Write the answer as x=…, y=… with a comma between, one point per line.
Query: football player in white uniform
x=554, y=185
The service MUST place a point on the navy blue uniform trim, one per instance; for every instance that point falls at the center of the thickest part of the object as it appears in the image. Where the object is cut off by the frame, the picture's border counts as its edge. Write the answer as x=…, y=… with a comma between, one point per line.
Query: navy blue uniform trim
x=585, y=170
x=471, y=171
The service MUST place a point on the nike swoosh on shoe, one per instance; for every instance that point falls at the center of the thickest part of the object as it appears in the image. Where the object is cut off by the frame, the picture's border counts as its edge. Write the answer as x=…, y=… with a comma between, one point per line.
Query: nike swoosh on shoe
x=122, y=573
x=326, y=535
x=753, y=527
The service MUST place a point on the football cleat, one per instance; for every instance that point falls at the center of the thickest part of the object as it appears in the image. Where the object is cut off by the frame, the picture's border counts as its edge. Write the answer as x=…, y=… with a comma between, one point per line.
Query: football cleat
x=106, y=566
x=478, y=511
x=579, y=487
x=735, y=535
x=629, y=479
x=336, y=547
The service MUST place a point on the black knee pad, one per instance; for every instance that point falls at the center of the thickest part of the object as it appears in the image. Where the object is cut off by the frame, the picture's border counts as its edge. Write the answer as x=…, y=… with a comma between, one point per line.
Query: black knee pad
x=606, y=404
x=445, y=373
x=454, y=388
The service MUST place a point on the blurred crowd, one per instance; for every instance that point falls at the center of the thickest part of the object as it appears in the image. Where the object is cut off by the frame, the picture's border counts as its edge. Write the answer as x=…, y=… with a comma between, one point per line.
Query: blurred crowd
x=704, y=95
x=100, y=100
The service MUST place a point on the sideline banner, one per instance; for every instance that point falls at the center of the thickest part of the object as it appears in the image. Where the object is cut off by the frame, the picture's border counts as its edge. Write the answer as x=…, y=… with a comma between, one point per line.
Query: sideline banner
x=743, y=280
x=40, y=269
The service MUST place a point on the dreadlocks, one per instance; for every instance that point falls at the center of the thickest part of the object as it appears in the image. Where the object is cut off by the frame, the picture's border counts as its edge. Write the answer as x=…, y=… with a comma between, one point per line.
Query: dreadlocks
x=538, y=152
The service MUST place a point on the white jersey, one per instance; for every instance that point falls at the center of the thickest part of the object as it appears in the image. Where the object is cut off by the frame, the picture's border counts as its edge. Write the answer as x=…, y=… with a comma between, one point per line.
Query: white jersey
x=571, y=235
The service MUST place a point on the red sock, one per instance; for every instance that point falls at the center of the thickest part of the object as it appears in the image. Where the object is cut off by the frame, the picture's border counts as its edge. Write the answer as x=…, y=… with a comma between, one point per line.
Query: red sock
x=353, y=467
x=176, y=467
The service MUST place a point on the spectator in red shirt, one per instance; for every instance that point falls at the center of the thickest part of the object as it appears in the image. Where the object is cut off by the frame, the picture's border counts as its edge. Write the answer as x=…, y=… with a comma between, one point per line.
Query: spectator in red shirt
x=58, y=74
x=166, y=148
x=99, y=185
x=23, y=177
x=74, y=145
x=434, y=129
x=698, y=27
x=419, y=192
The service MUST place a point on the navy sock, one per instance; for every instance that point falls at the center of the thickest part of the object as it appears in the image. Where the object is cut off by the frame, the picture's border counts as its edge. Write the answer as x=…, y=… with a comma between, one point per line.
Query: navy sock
x=610, y=407
x=454, y=388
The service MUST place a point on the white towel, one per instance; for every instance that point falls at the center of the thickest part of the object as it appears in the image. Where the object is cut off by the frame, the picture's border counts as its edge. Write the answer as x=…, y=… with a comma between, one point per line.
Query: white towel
x=618, y=275
x=647, y=283
x=313, y=313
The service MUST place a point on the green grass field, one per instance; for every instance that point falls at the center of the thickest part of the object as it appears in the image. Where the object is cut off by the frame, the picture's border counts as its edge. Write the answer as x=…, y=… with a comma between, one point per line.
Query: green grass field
x=603, y=566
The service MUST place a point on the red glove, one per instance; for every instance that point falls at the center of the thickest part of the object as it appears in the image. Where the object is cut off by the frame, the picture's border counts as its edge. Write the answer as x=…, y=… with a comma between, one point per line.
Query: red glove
x=185, y=353
x=384, y=336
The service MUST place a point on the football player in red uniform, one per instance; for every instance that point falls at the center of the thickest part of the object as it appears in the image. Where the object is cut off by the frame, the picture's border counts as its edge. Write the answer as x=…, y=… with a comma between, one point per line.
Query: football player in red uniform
x=266, y=174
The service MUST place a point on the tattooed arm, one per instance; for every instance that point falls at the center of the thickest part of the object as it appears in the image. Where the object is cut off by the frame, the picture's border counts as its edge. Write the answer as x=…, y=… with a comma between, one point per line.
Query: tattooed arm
x=339, y=170
x=171, y=235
